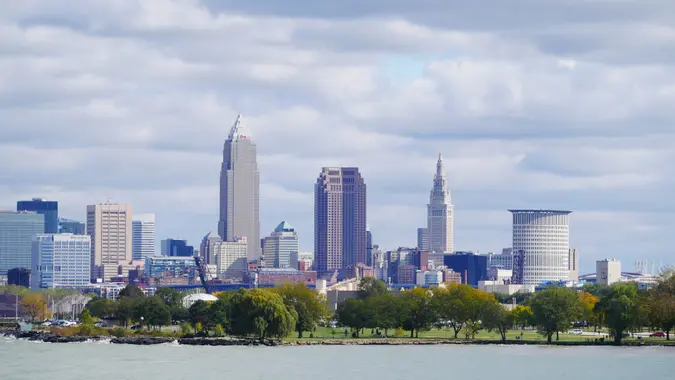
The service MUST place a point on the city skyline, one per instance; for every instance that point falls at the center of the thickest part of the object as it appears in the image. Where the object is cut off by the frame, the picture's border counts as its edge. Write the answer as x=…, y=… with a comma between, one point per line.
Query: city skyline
x=576, y=118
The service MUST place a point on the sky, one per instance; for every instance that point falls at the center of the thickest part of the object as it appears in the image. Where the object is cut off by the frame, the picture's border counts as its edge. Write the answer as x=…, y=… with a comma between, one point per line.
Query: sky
x=558, y=104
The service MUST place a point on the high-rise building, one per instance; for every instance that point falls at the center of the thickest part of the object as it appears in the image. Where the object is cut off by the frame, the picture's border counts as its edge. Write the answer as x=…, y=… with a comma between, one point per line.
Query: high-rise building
x=423, y=239
x=61, y=260
x=240, y=190
x=176, y=248
x=541, y=245
x=471, y=267
x=369, y=247
x=228, y=257
x=50, y=209
x=573, y=263
x=340, y=237
x=280, y=249
x=17, y=230
x=143, y=236
x=607, y=271
x=109, y=226
x=440, y=214
x=67, y=226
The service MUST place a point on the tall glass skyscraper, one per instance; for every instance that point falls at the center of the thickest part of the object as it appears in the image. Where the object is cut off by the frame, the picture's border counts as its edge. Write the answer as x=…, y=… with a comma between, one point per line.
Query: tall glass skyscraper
x=340, y=237
x=62, y=260
x=440, y=214
x=143, y=236
x=240, y=191
x=17, y=230
x=50, y=209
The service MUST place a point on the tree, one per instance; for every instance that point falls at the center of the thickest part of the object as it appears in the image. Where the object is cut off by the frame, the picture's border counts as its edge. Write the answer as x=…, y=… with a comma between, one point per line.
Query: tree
x=620, y=309
x=387, y=311
x=554, y=309
x=14, y=290
x=352, y=313
x=587, y=303
x=497, y=318
x=173, y=299
x=86, y=318
x=371, y=287
x=309, y=306
x=420, y=314
x=248, y=307
x=101, y=308
x=152, y=311
x=522, y=316
x=35, y=305
x=461, y=307
x=661, y=304
x=219, y=314
x=131, y=291
x=124, y=310
x=198, y=313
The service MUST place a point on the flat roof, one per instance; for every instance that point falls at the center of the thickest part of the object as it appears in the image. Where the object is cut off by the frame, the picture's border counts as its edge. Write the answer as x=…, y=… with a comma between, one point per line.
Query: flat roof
x=541, y=211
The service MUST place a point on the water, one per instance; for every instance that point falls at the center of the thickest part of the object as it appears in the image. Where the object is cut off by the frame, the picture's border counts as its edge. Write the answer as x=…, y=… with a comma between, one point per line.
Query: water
x=30, y=360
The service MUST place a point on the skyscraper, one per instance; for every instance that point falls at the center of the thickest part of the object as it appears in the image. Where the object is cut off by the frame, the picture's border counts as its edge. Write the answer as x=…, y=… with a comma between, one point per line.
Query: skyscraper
x=143, y=236
x=280, y=249
x=423, y=239
x=240, y=190
x=50, y=209
x=369, y=247
x=17, y=230
x=339, y=219
x=61, y=260
x=176, y=248
x=541, y=245
x=109, y=226
x=440, y=214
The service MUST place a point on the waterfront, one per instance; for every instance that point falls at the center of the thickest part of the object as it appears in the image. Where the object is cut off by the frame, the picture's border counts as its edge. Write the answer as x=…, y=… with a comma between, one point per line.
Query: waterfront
x=22, y=359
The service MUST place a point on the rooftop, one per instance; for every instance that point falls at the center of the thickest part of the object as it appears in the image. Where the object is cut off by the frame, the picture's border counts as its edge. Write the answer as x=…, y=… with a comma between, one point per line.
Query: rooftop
x=541, y=211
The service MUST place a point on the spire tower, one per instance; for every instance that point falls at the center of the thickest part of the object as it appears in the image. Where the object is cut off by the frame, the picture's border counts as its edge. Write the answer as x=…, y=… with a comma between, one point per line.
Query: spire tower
x=440, y=213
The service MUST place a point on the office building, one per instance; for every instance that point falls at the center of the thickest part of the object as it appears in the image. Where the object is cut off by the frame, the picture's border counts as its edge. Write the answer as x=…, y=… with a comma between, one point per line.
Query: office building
x=280, y=249
x=229, y=257
x=176, y=248
x=502, y=260
x=369, y=247
x=50, y=210
x=157, y=267
x=440, y=214
x=340, y=237
x=423, y=239
x=274, y=276
x=67, y=226
x=471, y=267
x=109, y=226
x=143, y=236
x=608, y=271
x=19, y=277
x=17, y=230
x=573, y=264
x=240, y=190
x=60, y=261
x=542, y=237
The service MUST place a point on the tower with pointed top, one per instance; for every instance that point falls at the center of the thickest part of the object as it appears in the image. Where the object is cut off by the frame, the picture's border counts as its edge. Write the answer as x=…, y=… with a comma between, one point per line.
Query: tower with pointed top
x=240, y=190
x=440, y=213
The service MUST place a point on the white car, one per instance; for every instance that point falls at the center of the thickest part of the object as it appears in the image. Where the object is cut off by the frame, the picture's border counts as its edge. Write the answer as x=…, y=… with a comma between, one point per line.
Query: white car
x=577, y=332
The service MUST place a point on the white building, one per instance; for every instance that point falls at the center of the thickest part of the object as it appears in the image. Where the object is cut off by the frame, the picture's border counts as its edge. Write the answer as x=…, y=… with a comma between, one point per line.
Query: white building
x=60, y=260
x=109, y=226
x=608, y=271
x=230, y=257
x=573, y=263
x=429, y=277
x=280, y=249
x=502, y=260
x=143, y=236
x=440, y=214
x=541, y=237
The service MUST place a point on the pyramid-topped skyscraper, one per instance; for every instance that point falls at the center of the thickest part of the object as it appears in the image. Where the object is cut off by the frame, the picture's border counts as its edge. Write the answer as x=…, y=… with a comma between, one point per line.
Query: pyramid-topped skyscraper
x=240, y=190
x=440, y=213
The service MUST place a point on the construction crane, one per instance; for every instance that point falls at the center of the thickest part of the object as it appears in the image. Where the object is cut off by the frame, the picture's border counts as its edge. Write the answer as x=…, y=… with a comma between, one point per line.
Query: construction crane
x=203, y=274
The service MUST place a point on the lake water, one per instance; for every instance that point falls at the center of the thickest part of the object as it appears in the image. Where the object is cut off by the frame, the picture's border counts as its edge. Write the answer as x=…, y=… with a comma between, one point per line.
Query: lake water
x=31, y=360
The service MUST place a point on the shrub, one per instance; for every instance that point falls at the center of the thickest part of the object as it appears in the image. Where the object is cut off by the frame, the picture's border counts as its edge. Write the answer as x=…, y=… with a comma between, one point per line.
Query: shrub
x=118, y=332
x=399, y=332
x=159, y=334
x=219, y=330
x=186, y=329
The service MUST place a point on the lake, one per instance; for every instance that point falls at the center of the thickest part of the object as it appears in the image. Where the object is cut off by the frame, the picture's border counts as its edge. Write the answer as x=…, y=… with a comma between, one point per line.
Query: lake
x=21, y=360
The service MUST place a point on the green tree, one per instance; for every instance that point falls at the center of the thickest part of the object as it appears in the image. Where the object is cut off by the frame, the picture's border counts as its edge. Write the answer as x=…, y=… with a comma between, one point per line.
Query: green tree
x=309, y=305
x=420, y=314
x=371, y=287
x=35, y=305
x=461, y=307
x=250, y=306
x=352, y=313
x=173, y=299
x=660, y=303
x=554, y=309
x=497, y=318
x=522, y=316
x=199, y=313
x=619, y=309
x=86, y=318
x=152, y=311
x=14, y=290
x=124, y=310
x=131, y=291
x=219, y=314
x=101, y=308
x=387, y=311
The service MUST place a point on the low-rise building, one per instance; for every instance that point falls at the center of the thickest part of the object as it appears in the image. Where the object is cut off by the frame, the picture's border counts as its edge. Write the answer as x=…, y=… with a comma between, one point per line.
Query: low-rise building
x=273, y=276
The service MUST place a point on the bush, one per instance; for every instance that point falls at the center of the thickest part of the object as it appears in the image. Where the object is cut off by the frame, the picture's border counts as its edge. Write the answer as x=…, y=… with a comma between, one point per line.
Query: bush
x=219, y=330
x=159, y=334
x=186, y=329
x=399, y=332
x=118, y=332
x=90, y=330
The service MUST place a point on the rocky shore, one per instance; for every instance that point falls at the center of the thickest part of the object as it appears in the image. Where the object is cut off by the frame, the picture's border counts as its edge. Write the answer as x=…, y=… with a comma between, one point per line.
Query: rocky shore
x=140, y=340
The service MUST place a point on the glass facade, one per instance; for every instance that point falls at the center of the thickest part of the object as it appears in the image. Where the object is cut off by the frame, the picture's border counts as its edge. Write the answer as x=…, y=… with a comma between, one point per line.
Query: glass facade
x=67, y=226
x=17, y=230
x=50, y=209
x=472, y=268
x=62, y=260
x=177, y=248
x=158, y=267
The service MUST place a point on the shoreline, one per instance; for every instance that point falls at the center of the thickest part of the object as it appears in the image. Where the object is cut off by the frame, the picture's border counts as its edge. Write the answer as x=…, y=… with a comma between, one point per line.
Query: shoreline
x=232, y=341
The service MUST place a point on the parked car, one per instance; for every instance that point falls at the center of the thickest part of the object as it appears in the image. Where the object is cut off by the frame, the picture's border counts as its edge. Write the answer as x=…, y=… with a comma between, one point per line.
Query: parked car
x=658, y=334
x=577, y=332
x=99, y=324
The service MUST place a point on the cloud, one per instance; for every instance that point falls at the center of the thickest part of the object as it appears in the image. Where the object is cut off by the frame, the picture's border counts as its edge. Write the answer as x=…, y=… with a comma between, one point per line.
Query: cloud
x=557, y=104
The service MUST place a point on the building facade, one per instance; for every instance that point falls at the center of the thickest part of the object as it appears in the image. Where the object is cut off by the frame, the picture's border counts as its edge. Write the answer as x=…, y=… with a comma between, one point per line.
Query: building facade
x=340, y=237
x=573, y=263
x=229, y=257
x=440, y=214
x=143, y=236
x=171, y=267
x=423, y=239
x=109, y=226
x=176, y=248
x=50, y=210
x=17, y=230
x=471, y=267
x=502, y=260
x=60, y=260
x=67, y=226
x=240, y=190
x=281, y=248
x=608, y=271
x=19, y=277
x=542, y=237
